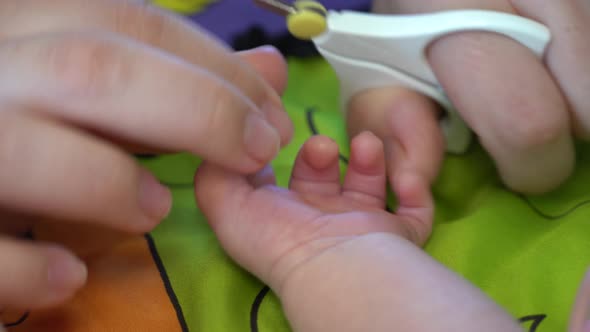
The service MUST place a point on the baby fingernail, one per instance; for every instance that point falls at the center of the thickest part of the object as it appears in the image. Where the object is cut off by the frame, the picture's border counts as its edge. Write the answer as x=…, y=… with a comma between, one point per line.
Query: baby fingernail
x=262, y=141
x=65, y=271
x=154, y=198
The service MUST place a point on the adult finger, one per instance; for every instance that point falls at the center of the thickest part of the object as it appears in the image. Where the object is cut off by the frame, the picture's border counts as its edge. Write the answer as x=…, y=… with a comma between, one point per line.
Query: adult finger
x=507, y=97
x=37, y=275
x=151, y=26
x=568, y=55
x=51, y=170
x=270, y=64
x=101, y=83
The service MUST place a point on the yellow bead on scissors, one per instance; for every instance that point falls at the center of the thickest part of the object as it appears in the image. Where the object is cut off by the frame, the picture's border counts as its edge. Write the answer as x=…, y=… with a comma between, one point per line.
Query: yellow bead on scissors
x=182, y=6
x=308, y=21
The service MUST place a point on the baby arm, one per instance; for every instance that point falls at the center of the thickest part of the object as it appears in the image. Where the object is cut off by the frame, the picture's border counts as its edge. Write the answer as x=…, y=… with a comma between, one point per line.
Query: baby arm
x=381, y=282
x=337, y=259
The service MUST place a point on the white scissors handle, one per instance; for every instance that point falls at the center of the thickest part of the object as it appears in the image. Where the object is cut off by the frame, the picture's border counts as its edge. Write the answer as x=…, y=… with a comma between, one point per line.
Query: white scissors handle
x=371, y=50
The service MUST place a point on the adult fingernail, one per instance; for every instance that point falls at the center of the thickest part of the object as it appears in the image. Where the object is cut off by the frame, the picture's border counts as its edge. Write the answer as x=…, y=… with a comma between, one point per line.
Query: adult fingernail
x=265, y=49
x=154, y=198
x=277, y=116
x=261, y=140
x=65, y=272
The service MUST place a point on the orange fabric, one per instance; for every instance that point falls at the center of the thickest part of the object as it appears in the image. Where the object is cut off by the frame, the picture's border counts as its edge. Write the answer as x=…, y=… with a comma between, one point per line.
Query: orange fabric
x=125, y=291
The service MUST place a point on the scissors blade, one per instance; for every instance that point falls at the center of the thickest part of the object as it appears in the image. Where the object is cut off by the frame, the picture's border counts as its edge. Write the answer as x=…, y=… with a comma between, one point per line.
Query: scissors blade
x=277, y=6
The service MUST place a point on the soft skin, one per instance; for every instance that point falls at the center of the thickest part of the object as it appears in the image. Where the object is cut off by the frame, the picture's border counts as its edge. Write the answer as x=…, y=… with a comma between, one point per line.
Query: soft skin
x=82, y=84
x=335, y=257
x=526, y=112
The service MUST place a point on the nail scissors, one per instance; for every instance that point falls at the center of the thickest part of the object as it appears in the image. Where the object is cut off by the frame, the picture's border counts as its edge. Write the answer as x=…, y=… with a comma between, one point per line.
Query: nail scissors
x=369, y=50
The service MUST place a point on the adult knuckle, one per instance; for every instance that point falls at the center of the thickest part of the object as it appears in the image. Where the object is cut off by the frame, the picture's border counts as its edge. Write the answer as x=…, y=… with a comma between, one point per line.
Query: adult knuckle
x=220, y=102
x=140, y=21
x=236, y=72
x=87, y=67
x=10, y=140
x=111, y=181
x=535, y=124
x=19, y=151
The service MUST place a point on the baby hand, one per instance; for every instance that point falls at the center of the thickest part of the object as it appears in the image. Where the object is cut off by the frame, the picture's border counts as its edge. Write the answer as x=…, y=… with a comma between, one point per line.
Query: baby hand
x=273, y=231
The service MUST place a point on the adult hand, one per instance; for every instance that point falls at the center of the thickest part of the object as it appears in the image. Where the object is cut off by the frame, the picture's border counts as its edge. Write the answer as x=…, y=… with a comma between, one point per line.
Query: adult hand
x=527, y=112
x=83, y=83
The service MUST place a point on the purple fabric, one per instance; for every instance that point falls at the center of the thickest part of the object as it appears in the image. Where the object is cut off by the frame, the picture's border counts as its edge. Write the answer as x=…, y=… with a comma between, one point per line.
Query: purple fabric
x=226, y=18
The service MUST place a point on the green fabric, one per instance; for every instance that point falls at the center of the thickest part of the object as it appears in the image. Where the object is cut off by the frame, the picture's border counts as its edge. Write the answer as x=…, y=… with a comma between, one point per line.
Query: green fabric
x=528, y=253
